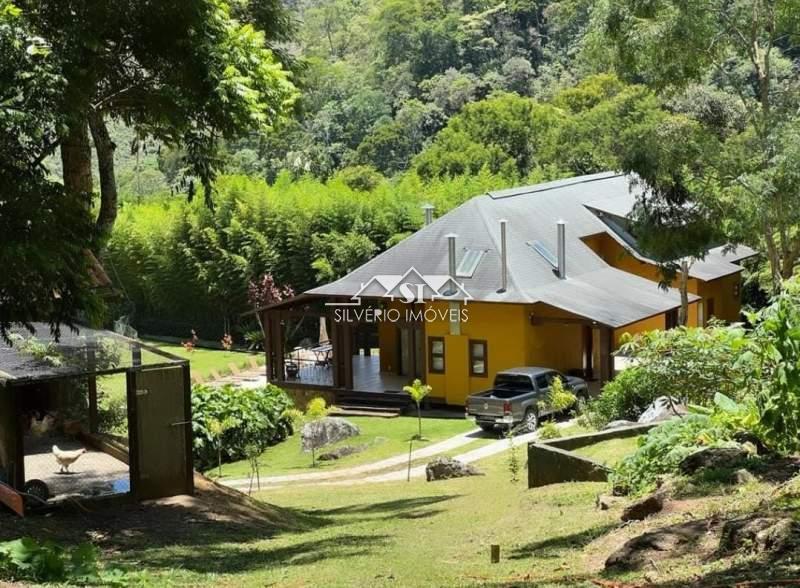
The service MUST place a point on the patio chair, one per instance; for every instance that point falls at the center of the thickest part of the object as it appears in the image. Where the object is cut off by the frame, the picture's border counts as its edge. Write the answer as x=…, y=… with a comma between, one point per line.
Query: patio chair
x=292, y=370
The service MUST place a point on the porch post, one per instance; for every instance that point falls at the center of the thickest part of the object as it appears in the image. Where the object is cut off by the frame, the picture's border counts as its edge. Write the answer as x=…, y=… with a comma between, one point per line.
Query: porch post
x=342, y=341
x=606, y=359
x=277, y=321
x=92, y=385
x=588, y=352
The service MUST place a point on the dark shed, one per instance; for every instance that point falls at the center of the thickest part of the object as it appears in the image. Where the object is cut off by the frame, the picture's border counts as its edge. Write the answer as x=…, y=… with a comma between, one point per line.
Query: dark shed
x=93, y=414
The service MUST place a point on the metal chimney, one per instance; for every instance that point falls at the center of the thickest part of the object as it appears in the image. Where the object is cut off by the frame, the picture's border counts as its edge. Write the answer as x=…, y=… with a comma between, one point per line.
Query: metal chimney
x=451, y=255
x=562, y=249
x=428, y=208
x=503, y=257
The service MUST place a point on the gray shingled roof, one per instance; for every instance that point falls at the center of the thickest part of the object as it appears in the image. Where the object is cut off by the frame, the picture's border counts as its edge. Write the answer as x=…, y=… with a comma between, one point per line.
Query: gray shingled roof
x=593, y=289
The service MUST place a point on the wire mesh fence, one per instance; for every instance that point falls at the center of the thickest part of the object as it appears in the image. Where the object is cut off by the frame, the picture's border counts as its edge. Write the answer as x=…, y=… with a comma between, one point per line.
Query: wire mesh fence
x=63, y=452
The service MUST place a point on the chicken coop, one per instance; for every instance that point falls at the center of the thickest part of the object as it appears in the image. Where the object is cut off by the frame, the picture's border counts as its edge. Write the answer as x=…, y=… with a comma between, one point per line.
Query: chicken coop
x=92, y=414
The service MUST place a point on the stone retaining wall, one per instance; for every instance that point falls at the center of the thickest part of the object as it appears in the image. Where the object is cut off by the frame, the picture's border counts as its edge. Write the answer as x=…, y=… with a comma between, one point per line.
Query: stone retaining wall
x=301, y=395
x=552, y=461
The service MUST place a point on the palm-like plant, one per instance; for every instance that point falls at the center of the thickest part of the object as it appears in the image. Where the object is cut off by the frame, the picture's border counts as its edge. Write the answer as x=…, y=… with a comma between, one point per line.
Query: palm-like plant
x=417, y=390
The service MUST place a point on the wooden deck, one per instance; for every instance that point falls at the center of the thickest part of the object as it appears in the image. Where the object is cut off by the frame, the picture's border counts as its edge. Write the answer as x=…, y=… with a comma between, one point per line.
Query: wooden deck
x=367, y=376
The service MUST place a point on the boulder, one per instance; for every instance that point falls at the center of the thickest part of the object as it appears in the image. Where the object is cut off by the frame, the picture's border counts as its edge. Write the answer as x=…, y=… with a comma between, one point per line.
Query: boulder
x=620, y=424
x=662, y=409
x=662, y=543
x=325, y=431
x=644, y=507
x=774, y=535
x=742, y=476
x=713, y=457
x=341, y=452
x=444, y=468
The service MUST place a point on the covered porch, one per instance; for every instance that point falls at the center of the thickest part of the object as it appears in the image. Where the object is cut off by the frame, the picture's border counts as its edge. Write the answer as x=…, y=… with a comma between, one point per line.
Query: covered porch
x=367, y=375
x=310, y=344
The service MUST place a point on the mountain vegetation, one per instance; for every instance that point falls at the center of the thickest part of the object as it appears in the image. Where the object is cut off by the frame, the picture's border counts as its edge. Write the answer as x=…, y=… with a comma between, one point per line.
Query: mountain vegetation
x=317, y=128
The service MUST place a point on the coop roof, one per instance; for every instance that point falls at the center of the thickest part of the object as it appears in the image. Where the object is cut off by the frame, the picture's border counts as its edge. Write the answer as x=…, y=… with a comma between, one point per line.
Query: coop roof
x=38, y=356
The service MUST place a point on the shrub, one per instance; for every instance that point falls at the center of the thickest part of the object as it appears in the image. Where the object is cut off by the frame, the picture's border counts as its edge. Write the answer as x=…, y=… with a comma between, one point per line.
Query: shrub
x=661, y=451
x=624, y=397
x=777, y=349
x=26, y=560
x=687, y=363
x=256, y=416
x=549, y=430
x=112, y=413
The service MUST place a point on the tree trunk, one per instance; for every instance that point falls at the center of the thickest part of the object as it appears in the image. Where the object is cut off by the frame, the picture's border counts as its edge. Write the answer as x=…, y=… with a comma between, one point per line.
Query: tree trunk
x=683, y=313
x=419, y=421
x=104, y=147
x=76, y=161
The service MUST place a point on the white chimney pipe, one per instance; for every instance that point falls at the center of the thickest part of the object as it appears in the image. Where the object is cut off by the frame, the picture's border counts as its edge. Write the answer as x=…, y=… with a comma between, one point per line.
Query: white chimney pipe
x=562, y=249
x=428, y=208
x=503, y=257
x=451, y=254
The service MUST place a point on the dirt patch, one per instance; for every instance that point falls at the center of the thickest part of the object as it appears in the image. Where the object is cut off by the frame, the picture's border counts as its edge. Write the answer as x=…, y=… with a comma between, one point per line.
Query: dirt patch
x=699, y=538
x=214, y=513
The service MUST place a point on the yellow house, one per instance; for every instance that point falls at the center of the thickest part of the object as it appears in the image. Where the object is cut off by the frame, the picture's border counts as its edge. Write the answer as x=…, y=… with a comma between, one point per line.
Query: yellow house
x=546, y=275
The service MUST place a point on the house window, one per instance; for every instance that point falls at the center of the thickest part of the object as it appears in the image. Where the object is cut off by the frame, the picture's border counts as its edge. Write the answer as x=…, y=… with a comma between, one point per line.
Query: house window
x=709, y=308
x=478, y=359
x=671, y=320
x=436, y=354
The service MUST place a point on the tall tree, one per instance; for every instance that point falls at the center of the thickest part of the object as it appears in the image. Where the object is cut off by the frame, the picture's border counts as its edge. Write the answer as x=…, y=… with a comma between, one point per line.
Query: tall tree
x=45, y=231
x=744, y=48
x=187, y=73
x=670, y=219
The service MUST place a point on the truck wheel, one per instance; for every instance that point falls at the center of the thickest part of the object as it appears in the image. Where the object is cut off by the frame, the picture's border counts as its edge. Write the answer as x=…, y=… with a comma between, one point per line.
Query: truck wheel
x=488, y=427
x=531, y=420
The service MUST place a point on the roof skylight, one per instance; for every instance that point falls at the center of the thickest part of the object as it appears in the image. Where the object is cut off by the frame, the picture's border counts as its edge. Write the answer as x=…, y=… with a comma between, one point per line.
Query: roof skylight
x=469, y=263
x=542, y=250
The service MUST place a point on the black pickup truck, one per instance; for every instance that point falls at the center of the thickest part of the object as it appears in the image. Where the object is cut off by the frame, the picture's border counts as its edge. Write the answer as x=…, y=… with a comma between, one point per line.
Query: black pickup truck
x=519, y=395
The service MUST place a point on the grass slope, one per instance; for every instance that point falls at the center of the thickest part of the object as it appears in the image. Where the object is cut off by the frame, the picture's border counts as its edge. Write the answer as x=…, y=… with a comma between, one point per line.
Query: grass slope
x=201, y=361
x=404, y=534
x=385, y=437
x=610, y=452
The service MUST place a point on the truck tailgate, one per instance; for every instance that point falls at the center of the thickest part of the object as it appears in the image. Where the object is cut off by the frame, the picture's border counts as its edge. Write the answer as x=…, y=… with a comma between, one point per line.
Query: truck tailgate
x=485, y=406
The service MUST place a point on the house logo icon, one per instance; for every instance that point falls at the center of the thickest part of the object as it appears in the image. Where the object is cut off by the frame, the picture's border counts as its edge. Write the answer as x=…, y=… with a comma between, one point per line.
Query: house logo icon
x=409, y=288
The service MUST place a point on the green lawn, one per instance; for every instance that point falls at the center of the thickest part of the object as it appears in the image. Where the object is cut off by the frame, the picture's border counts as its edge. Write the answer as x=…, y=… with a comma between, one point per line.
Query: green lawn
x=402, y=534
x=202, y=362
x=420, y=534
x=385, y=437
x=610, y=452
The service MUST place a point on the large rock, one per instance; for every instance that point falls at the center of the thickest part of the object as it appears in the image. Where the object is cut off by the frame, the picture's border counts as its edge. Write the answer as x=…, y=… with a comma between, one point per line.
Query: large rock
x=662, y=409
x=325, y=431
x=644, y=507
x=662, y=543
x=773, y=535
x=341, y=452
x=444, y=468
x=713, y=457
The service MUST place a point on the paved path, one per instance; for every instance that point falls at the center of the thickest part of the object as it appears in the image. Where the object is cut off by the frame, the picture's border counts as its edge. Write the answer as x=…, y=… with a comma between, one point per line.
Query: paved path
x=246, y=378
x=397, y=460
x=351, y=475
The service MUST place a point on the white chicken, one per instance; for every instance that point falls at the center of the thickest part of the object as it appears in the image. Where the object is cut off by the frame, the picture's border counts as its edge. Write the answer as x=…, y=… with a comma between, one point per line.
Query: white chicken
x=66, y=458
x=40, y=427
